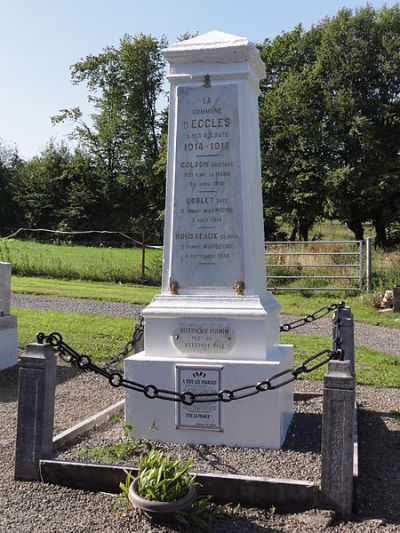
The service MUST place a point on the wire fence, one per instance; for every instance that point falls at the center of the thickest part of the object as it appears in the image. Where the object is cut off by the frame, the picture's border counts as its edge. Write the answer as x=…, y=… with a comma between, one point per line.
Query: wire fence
x=329, y=266
x=318, y=265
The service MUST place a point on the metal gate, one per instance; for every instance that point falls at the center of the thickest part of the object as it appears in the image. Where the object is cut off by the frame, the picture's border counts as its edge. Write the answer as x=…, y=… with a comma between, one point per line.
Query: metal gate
x=317, y=265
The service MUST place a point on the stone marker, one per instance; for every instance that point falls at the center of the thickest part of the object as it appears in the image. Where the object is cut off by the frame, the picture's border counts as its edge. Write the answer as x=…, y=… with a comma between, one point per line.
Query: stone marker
x=8, y=323
x=214, y=326
x=36, y=396
x=346, y=320
x=337, y=438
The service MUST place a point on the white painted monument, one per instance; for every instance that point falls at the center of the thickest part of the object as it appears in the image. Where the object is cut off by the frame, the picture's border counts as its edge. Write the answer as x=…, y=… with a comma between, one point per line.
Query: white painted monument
x=214, y=326
x=8, y=323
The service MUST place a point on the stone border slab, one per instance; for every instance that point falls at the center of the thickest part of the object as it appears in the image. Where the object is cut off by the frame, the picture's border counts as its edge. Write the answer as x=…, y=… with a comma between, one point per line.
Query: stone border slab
x=69, y=435
x=286, y=495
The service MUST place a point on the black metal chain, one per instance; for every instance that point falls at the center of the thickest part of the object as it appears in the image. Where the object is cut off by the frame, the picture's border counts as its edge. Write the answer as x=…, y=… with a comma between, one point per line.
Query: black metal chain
x=129, y=347
x=312, y=317
x=116, y=379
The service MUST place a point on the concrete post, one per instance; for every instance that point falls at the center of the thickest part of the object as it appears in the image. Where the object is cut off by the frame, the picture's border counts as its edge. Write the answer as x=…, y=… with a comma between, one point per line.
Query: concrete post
x=337, y=438
x=36, y=396
x=368, y=263
x=347, y=335
x=396, y=299
x=5, y=288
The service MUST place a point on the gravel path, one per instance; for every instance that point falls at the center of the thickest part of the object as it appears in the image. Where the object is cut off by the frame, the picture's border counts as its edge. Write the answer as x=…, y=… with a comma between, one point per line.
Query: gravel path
x=375, y=337
x=76, y=305
x=378, y=338
x=36, y=507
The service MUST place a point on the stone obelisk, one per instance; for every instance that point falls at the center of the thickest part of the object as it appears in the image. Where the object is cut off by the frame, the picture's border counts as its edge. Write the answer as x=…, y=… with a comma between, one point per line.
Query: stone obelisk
x=214, y=326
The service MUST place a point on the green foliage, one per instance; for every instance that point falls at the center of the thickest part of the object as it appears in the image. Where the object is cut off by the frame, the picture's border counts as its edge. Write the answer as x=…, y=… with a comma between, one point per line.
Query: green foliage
x=113, y=292
x=373, y=368
x=329, y=122
x=393, y=234
x=363, y=311
x=99, y=336
x=129, y=447
x=387, y=277
x=121, y=265
x=357, y=60
x=124, y=138
x=9, y=166
x=164, y=479
x=329, y=126
x=124, y=487
x=291, y=135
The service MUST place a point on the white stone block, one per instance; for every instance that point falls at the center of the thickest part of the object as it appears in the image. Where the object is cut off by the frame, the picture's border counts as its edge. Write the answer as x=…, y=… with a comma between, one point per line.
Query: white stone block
x=8, y=341
x=5, y=288
x=252, y=321
x=258, y=421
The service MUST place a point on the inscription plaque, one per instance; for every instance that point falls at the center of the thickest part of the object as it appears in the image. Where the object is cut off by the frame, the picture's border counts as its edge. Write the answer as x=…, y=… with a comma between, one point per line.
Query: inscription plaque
x=207, y=238
x=198, y=379
x=203, y=337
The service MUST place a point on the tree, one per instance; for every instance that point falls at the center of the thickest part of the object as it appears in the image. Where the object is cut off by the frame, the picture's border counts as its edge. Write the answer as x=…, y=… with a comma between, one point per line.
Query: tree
x=40, y=187
x=123, y=139
x=85, y=200
x=329, y=121
x=10, y=162
x=359, y=61
x=292, y=133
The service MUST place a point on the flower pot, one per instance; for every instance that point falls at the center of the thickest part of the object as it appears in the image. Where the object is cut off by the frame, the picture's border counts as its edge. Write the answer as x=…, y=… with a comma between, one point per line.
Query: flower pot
x=160, y=507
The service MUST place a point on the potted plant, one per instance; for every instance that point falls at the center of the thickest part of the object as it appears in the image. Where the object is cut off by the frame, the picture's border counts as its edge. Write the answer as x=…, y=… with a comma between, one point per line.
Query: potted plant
x=163, y=485
x=165, y=488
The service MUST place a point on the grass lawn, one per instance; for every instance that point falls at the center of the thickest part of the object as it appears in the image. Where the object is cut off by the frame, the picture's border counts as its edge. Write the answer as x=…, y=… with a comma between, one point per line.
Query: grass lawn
x=103, y=337
x=297, y=304
x=113, y=292
x=98, y=336
x=293, y=303
x=372, y=367
x=94, y=263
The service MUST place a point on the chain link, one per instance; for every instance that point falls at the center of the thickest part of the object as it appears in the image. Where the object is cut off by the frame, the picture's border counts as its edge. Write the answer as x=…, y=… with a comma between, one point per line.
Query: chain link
x=129, y=347
x=312, y=317
x=116, y=379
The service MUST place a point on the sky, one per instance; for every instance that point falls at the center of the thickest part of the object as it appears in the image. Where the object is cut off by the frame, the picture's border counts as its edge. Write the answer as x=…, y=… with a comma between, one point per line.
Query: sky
x=41, y=39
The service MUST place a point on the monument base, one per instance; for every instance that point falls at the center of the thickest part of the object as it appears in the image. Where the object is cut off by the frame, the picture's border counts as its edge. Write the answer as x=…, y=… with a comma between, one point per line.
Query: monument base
x=259, y=421
x=8, y=341
x=251, y=323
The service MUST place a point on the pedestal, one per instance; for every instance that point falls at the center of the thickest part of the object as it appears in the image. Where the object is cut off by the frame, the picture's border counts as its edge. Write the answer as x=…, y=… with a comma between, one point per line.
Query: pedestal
x=229, y=327
x=258, y=421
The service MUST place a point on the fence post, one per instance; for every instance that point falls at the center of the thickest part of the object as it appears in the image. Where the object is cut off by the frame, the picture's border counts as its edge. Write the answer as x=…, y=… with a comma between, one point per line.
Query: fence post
x=337, y=438
x=396, y=299
x=143, y=253
x=361, y=265
x=36, y=397
x=345, y=316
x=368, y=263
